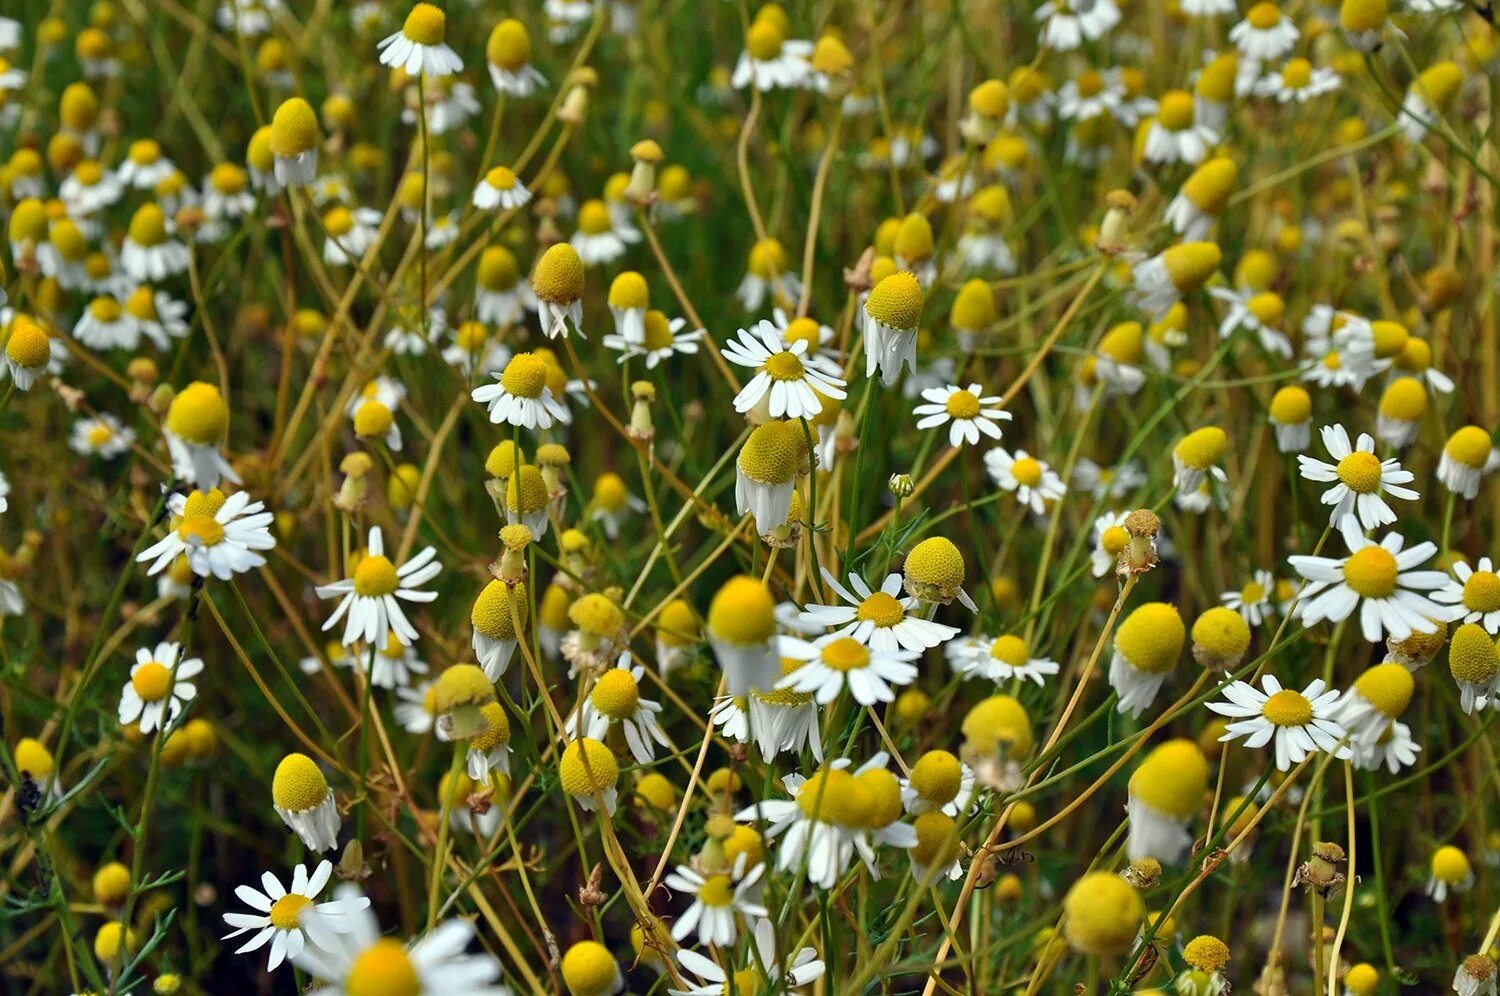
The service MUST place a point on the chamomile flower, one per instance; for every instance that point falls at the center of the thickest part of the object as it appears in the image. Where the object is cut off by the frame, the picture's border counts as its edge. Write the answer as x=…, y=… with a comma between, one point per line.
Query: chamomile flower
x=1297, y=81
x=1146, y=648
x=1253, y=601
x=1402, y=408
x=1291, y=416
x=934, y=573
x=892, y=312
x=597, y=241
x=419, y=46
x=291, y=918
x=1359, y=479
x=615, y=706
x=432, y=965
x=588, y=772
x=1474, y=594
x=1089, y=96
x=350, y=234
x=144, y=166
x=1174, y=135
x=1066, y=23
x=767, y=273
x=1110, y=540
x=1002, y=660
x=1429, y=95
x=220, y=536
x=371, y=598
x=964, y=410
x=1299, y=723
x=1474, y=662
x=197, y=421
x=1165, y=793
x=1034, y=483
x=1467, y=456
x=301, y=797
x=784, y=385
x=90, y=188
x=837, y=662
x=817, y=824
x=771, y=60
x=1265, y=34
x=100, y=435
x=661, y=339
x=520, y=396
x=1476, y=974
x=1195, y=458
x=393, y=665
x=1162, y=280
x=722, y=902
x=1259, y=313
x=507, y=53
x=1393, y=749
x=489, y=749
x=885, y=620
x=1449, y=873
x=557, y=285
x=763, y=969
x=1376, y=700
x=159, y=688
x=416, y=708
x=1378, y=578
x=473, y=349
x=1108, y=482
x=149, y=251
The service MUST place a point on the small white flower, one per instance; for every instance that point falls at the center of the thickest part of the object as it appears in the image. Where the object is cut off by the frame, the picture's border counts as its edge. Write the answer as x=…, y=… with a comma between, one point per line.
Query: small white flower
x=159, y=687
x=1252, y=602
x=220, y=536
x=784, y=383
x=372, y=597
x=721, y=900
x=1360, y=479
x=1300, y=723
x=964, y=410
x=1380, y=580
x=289, y=918
x=1033, y=481
x=834, y=662
x=885, y=620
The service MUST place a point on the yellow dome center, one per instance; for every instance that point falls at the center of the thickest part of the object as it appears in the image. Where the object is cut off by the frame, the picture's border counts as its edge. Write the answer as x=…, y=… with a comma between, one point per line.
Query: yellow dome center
x=1264, y=16
x=716, y=891
x=962, y=404
x=1482, y=592
x=593, y=218
x=1371, y=572
x=203, y=530
x=846, y=654
x=152, y=681
x=1010, y=650
x=832, y=796
x=616, y=694
x=383, y=969
x=1113, y=540
x=1287, y=708
x=425, y=25
x=784, y=366
x=1176, y=110
x=286, y=910
x=375, y=577
x=1027, y=471
x=1296, y=74
x=525, y=376
x=1252, y=593
x=658, y=331
x=881, y=609
x=1360, y=471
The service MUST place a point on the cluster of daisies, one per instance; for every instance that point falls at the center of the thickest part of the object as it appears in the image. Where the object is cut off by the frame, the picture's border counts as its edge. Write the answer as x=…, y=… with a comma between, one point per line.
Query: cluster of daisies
x=1226, y=304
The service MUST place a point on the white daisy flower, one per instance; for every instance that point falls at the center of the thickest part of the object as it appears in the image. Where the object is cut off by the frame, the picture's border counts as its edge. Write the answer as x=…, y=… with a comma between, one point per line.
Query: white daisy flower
x=1300, y=723
x=1393, y=749
x=807, y=822
x=220, y=536
x=661, y=340
x=771, y=60
x=834, y=662
x=1100, y=482
x=101, y=435
x=1066, y=23
x=1473, y=594
x=393, y=665
x=783, y=384
x=520, y=396
x=1266, y=34
x=803, y=970
x=615, y=702
x=90, y=188
x=154, y=314
x=433, y=965
x=350, y=234
x=1380, y=580
x=1089, y=95
x=1298, y=81
x=721, y=901
x=884, y=620
x=372, y=597
x=1033, y=482
x=1450, y=872
x=1110, y=538
x=1259, y=313
x=500, y=189
x=159, y=687
x=291, y=918
x=1253, y=601
x=966, y=412
x=418, y=48
x=1003, y=659
x=1361, y=478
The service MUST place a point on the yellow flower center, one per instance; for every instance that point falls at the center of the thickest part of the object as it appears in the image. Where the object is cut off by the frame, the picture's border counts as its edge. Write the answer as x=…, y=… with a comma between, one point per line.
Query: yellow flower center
x=846, y=654
x=716, y=891
x=198, y=415
x=1090, y=83
x=1009, y=650
x=202, y=530
x=1264, y=16
x=383, y=969
x=881, y=609
x=1287, y=708
x=525, y=376
x=29, y=346
x=1252, y=593
x=1469, y=446
x=375, y=577
x=832, y=796
x=937, y=777
x=1027, y=471
x=616, y=694
x=148, y=227
x=1176, y=110
x=962, y=404
x=559, y=273
x=1297, y=73
x=425, y=25
x=1482, y=592
x=1371, y=572
x=298, y=785
x=784, y=366
x=152, y=681
x=100, y=433
x=593, y=218
x=763, y=40
x=896, y=301
x=286, y=910
x=658, y=330
x=1360, y=471
x=1114, y=539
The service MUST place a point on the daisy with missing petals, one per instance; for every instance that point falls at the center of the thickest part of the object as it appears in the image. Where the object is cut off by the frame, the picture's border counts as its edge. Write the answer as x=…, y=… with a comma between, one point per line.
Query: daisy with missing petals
x=1297, y=81
x=508, y=54
x=102, y=436
x=1066, y=23
x=771, y=59
x=1361, y=477
x=1467, y=455
x=836, y=661
x=521, y=396
x=720, y=901
x=288, y=918
x=819, y=822
x=1001, y=660
x=661, y=340
x=1252, y=602
x=1300, y=723
x=893, y=310
x=361, y=960
x=1474, y=596
x=1265, y=33
x=1033, y=481
x=159, y=687
x=1110, y=539
x=220, y=536
x=784, y=385
x=885, y=620
x=1259, y=313
x=419, y=47
x=968, y=412
x=370, y=597
x=1382, y=577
